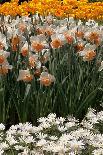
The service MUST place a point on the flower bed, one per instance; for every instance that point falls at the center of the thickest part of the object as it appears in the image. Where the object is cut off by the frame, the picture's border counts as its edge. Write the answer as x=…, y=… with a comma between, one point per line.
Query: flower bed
x=81, y=9
x=55, y=136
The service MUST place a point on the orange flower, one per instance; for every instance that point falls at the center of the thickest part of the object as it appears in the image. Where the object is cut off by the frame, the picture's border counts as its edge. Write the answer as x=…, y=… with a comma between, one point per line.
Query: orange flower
x=79, y=34
x=24, y=50
x=15, y=40
x=69, y=38
x=22, y=27
x=32, y=60
x=38, y=42
x=25, y=75
x=79, y=47
x=56, y=43
x=37, y=72
x=59, y=13
x=89, y=56
x=49, y=31
x=93, y=36
x=2, y=59
x=37, y=46
x=46, y=79
x=28, y=78
x=3, y=70
x=39, y=30
x=1, y=46
x=49, y=19
x=14, y=48
x=97, y=41
x=45, y=56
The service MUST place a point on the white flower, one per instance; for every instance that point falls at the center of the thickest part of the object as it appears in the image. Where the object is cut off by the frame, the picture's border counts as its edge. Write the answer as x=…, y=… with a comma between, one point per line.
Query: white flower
x=41, y=143
x=25, y=152
x=62, y=128
x=81, y=133
x=51, y=118
x=88, y=125
x=53, y=138
x=76, y=145
x=42, y=119
x=62, y=29
x=91, y=23
x=4, y=146
x=100, y=116
x=3, y=42
x=41, y=135
x=36, y=129
x=2, y=127
x=65, y=138
x=29, y=139
x=70, y=124
x=11, y=139
x=45, y=125
x=61, y=120
x=90, y=114
x=19, y=147
x=98, y=151
x=1, y=151
x=72, y=153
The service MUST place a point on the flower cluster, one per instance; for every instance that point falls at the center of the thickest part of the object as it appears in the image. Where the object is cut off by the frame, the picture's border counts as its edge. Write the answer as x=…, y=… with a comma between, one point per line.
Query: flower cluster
x=79, y=9
x=55, y=135
x=27, y=44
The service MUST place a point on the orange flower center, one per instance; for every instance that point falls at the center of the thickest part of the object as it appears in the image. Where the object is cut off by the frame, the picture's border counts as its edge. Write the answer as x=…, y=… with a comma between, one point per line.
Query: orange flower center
x=15, y=40
x=93, y=36
x=79, y=47
x=27, y=78
x=39, y=31
x=69, y=39
x=79, y=34
x=37, y=72
x=49, y=32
